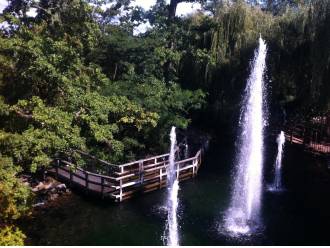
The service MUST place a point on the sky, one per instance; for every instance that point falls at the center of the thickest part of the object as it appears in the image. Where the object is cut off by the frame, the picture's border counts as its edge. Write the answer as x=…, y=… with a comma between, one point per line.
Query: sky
x=183, y=9
x=3, y=4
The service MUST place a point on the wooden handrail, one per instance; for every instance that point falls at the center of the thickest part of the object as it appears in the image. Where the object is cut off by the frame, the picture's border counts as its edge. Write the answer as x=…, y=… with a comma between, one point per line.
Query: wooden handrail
x=135, y=162
x=143, y=160
x=121, y=185
x=82, y=170
x=310, y=137
x=95, y=158
x=147, y=159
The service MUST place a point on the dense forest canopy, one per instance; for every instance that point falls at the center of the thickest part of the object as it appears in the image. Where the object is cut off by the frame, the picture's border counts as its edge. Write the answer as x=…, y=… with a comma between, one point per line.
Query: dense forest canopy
x=75, y=77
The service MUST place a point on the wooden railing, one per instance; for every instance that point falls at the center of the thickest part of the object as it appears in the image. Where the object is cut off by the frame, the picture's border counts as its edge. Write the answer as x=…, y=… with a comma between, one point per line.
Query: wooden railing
x=312, y=139
x=128, y=179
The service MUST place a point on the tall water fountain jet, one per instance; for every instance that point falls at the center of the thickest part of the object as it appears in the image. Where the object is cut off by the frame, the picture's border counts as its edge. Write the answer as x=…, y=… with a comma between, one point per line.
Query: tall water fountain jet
x=172, y=200
x=277, y=184
x=243, y=214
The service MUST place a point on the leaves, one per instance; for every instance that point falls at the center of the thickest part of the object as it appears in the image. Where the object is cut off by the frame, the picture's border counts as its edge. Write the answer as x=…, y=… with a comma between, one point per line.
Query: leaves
x=11, y=236
x=13, y=195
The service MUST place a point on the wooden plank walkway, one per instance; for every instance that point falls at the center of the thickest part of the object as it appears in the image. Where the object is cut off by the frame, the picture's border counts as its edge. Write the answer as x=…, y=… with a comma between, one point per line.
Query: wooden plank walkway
x=126, y=180
x=312, y=139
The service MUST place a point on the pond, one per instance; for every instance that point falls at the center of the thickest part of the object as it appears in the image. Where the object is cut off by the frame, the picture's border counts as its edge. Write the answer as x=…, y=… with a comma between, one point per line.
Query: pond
x=297, y=216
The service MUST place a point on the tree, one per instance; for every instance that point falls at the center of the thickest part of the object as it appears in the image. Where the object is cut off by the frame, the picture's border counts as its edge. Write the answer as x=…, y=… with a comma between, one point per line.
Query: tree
x=14, y=202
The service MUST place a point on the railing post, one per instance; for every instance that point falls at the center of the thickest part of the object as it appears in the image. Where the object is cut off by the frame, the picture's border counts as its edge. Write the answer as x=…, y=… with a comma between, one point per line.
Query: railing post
x=102, y=186
x=198, y=161
x=304, y=136
x=141, y=171
x=311, y=139
x=316, y=139
x=121, y=185
x=71, y=176
x=160, y=176
x=120, y=190
x=56, y=168
x=86, y=178
x=193, y=167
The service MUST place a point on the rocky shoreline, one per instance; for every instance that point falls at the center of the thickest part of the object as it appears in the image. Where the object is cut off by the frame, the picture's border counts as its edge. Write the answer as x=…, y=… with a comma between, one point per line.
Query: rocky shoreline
x=47, y=191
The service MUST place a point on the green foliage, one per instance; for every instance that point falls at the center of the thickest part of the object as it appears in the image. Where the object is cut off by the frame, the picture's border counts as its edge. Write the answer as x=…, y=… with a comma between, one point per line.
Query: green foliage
x=50, y=130
x=11, y=236
x=73, y=79
x=238, y=27
x=47, y=130
x=13, y=195
x=32, y=60
x=170, y=103
x=14, y=202
x=221, y=47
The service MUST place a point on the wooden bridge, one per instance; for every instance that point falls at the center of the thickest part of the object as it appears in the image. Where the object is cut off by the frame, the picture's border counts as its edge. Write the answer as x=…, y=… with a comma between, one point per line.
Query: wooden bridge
x=315, y=140
x=125, y=180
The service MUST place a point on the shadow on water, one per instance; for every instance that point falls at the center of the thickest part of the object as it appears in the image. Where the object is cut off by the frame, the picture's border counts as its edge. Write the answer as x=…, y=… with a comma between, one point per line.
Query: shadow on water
x=299, y=215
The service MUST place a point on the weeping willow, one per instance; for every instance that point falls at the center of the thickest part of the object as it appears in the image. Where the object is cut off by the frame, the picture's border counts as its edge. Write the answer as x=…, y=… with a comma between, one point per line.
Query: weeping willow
x=320, y=55
x=238, y=26
x=298, y=37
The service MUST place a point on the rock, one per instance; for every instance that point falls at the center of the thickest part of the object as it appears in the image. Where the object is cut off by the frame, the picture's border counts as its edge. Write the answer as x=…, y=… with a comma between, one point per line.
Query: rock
x=53, y=197
x=61, y=187
x=39, y=204
x=49, y=186
x=26, y=184
x=42, y=186
x=25, y=178
x=39, y=187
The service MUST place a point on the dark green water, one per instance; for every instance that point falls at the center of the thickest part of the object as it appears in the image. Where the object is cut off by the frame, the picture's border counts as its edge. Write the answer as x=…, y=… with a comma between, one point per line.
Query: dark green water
x=298, y=216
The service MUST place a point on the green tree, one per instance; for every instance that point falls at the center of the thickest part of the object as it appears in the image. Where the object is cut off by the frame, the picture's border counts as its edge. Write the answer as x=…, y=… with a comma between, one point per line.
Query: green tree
x=14, y=202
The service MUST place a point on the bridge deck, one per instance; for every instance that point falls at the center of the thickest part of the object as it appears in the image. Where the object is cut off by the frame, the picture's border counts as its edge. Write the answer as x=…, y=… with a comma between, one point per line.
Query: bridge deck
x=127, y=179
x=311, y=139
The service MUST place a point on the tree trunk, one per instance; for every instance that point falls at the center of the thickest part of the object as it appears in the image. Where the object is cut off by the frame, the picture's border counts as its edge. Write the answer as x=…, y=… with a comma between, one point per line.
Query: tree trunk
x=171, y=15
x=172, y=9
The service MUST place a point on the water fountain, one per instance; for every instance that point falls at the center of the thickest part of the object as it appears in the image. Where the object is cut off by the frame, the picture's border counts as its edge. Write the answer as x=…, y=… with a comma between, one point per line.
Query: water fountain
x=243, y=215
x=277, y=184
x=172, y=199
